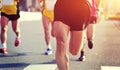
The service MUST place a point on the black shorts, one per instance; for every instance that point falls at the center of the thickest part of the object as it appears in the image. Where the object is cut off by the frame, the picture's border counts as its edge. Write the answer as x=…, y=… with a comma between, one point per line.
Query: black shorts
x=11, y=17
x=74, y=14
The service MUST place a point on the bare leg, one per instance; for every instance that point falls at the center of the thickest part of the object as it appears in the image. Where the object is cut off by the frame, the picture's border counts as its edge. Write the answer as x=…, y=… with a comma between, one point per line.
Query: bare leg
x=4, y=23
x=76, y=42
x=15, y=27
x=46, y=25
x=82, y=52
x=61, y=33
x=82, y=56
x=90, y=31
x=90, y=35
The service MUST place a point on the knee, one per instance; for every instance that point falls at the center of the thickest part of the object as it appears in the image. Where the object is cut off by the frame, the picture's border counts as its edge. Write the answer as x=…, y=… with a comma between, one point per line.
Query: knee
x=16, y=29
x=73, y=49
x=3, y=29
x=73, y=52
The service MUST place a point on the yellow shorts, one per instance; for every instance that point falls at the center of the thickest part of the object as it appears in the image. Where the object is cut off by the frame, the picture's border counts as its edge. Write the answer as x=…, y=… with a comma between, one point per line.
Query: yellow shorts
x=48, y=13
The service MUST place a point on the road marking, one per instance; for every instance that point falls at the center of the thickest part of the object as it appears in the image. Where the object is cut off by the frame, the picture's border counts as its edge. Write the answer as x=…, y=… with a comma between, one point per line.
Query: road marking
x=110, y=68
x=41, y=67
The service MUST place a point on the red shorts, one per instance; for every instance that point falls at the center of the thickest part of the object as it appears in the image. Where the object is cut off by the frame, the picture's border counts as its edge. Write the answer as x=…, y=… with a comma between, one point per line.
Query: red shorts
x=93, y=20
x=74, y=13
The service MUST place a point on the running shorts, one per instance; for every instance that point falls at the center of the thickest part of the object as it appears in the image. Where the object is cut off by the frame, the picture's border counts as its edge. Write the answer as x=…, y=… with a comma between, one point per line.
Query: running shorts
x=48, y=13
x=11, y=17
x=74, y=13
x=93, y=20
x=11, y=11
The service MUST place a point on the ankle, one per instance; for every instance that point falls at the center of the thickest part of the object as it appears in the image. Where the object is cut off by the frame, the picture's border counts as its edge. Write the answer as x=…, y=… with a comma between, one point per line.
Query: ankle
x=49, y=46
x=3, y=45
x=82, y=53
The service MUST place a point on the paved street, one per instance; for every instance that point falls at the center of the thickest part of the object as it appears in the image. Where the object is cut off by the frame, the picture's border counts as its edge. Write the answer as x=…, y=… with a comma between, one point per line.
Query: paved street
x=30, y=54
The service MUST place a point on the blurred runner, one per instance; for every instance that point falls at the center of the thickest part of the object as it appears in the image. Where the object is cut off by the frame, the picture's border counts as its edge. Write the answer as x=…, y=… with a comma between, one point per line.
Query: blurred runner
x=90, y=31
x=47, y=7
x=70, y=17
x=9, y=12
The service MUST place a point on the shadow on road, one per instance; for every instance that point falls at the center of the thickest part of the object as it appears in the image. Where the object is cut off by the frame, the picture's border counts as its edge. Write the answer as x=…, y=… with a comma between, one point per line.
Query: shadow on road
x=13, y=65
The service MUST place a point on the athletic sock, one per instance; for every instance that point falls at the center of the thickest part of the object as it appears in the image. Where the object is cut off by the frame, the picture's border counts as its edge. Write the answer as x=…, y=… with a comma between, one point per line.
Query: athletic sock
x=49, y=46
x=3, y=45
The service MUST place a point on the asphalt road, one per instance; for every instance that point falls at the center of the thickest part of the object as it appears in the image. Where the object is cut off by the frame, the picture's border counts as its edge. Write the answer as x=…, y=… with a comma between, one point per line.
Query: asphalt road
x=31, y=51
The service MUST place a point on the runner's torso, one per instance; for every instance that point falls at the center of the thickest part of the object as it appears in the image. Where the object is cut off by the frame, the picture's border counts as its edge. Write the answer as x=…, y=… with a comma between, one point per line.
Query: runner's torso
x=50, y=4
x=9, y=6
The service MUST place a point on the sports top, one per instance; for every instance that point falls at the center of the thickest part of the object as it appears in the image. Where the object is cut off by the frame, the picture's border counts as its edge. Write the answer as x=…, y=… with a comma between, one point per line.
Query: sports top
x=50, y=4
x=9, y=7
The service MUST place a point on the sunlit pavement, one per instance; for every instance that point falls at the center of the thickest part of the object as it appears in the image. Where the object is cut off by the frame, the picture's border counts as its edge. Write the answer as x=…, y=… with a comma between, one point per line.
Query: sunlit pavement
x=30, y=16
x=34, y=16
x=110, y=68
x=41, y=66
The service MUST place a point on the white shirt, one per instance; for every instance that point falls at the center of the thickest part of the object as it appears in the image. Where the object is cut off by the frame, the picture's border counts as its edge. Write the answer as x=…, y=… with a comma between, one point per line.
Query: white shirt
x=7, y=2
x=50, y=4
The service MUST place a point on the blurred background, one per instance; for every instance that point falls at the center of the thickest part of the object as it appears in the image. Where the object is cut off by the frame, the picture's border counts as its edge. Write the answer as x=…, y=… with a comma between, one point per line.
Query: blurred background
x=108, y=8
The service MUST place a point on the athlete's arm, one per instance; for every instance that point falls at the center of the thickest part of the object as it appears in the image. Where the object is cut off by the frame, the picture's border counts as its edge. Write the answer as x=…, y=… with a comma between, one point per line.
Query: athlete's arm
x=41, y=4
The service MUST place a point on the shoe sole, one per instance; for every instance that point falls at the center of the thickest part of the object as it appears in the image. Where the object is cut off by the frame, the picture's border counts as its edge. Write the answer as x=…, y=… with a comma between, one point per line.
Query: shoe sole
x=48, y=53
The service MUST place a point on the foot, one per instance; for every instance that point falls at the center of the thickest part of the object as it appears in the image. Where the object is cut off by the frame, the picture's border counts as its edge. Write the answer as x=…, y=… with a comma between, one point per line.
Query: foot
x=48, y=51
x=90, y=44
x=3, y=50
x=82, y=58
x=17, y=42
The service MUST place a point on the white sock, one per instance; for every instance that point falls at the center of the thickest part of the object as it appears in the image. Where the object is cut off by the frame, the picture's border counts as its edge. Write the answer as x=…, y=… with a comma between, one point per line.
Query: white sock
x=84, y=41
x=3, y=45
x=18, y=36
x=49, y=46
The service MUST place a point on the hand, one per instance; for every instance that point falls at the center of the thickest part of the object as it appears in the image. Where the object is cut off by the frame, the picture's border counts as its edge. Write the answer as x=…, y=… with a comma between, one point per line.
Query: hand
x=41, y=9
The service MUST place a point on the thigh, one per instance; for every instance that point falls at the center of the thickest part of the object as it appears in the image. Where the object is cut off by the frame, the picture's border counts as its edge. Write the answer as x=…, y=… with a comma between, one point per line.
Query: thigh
x=46, y=22
x=4, y=21
x=61, y=31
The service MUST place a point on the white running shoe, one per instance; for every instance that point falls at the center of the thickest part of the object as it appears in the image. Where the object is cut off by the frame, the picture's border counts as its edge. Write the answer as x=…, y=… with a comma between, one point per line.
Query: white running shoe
x=48, y=51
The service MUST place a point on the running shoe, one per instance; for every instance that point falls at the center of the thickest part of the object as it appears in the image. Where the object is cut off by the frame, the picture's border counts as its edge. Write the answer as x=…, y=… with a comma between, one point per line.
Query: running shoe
x=90, y=44
x=17, y=42
x=48, y=51
x=82, y=58
x=3, y=50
